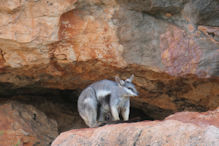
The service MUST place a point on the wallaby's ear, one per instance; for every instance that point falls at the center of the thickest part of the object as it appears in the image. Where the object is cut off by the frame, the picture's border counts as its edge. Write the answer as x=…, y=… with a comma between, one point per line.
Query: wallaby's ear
x=119, y=81
x=130, y=79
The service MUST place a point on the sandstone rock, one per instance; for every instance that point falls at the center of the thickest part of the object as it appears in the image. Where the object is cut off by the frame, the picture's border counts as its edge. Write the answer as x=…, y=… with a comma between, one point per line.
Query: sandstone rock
x=88, y=35
x=180, y=129
x=41, y=33
x=154, y=6
x=105, y=31
x=25, y=125
x=32, y=21
x=203, y=12
x=186, y=49
x=66, y=44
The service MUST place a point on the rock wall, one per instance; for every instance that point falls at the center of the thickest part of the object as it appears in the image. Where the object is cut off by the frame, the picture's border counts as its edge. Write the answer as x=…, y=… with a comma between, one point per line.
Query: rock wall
x=25, y=125
x=70, y=44
x=170, y=46
x=174, y=37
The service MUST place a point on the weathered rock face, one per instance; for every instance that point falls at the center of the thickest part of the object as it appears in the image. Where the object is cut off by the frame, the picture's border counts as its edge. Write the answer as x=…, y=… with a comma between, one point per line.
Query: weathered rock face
x=180, y=129
x=35, y=22
x=175, y=37
x=162, y=35
x=25, y=125
x=70, y=44
x=170, y=46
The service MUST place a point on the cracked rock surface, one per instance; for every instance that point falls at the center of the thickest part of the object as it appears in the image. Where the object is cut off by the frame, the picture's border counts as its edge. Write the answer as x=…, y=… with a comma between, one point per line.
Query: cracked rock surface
x=185, y=128
x=23, y=124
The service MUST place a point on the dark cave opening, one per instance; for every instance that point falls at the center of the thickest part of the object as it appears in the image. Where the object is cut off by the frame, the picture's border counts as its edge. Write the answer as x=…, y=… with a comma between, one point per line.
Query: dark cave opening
x=60, y=105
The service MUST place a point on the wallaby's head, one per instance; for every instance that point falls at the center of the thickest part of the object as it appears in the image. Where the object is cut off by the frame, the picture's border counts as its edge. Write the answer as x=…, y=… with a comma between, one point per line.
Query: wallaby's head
x=127, y=85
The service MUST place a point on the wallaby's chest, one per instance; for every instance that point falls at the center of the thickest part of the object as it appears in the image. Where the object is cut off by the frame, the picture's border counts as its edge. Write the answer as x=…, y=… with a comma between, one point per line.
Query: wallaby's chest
x=121, y=102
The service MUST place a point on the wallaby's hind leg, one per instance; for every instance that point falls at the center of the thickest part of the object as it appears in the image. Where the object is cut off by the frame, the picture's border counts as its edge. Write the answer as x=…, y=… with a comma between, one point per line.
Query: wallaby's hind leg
x=87, y=107
x=91, y=115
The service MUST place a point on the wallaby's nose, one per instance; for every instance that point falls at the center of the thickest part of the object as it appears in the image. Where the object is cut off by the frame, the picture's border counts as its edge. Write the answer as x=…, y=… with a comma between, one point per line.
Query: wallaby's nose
x=136, y=94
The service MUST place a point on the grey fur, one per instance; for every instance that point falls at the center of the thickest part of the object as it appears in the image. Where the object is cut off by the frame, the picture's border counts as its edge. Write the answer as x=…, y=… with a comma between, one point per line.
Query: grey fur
x=105, y=100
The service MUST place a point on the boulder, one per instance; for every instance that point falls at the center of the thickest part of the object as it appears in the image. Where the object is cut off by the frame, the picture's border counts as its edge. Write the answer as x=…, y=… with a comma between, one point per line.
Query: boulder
x=185, y=128
x=23, y=124
x=170, y=46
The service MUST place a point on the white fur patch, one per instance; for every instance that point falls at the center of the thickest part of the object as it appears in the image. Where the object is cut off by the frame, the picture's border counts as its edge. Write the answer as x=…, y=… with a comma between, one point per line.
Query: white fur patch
x=130, y=92
x=102, y=93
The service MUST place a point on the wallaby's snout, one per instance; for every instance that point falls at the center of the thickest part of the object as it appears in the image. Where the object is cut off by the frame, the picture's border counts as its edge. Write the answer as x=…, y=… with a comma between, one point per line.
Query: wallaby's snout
x=136, y=94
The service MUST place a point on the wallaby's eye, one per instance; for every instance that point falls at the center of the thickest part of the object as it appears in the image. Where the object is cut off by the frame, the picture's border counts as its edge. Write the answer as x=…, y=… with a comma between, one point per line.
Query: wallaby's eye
x=130, y=88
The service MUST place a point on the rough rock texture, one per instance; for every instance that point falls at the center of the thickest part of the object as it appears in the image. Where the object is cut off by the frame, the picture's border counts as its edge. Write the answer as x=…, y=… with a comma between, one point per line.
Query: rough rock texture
x=177, y=37
x=170, y=46
x=24, y=125
x=60, y=106
x=34, y=22
x=56, y=104
x=186, y=128
x=164, y=36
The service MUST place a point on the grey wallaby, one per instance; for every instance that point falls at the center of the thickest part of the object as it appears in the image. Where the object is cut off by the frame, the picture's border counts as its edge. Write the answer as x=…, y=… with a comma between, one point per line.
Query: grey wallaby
x=105, y=100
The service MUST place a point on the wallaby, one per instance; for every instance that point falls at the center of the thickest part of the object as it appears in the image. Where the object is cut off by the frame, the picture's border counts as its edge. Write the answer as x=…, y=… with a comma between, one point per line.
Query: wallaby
x=106, y=98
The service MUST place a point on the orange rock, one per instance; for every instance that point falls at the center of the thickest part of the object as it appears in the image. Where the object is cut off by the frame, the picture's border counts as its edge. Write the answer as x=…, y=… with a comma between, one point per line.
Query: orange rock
x=90, y=37
x=24, y=125
x=191, y=27
x=67, y=45
x=33, y=22
x=179, y=129
x=211, y=32
x=168, y=14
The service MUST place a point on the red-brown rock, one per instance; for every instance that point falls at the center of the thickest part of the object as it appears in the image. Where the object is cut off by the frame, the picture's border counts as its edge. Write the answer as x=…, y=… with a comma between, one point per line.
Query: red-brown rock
x=24, y=125
x=180, y=129
x=170, y=46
